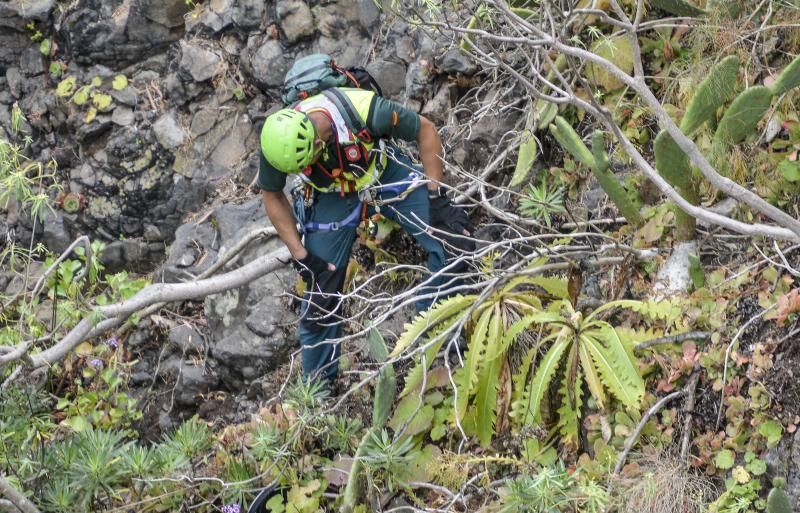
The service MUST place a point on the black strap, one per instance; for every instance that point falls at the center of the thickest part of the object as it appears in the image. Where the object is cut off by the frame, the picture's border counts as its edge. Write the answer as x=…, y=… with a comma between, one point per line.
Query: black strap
x=346, y=109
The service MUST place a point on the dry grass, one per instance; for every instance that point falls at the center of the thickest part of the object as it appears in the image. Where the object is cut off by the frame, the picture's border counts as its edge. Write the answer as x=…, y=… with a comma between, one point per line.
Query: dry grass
x=661, y=484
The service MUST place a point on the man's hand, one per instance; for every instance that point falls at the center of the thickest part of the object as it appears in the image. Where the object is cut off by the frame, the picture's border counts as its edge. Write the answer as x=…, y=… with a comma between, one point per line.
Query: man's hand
x=310, y=267
x=443, y=213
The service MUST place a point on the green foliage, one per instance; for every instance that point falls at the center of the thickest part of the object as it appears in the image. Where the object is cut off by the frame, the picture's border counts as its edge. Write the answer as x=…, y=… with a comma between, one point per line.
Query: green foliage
x=571, y=141
x=788, y=79
x=387, y=461
x=583, y=349
x=717, y=88
x=25, y=425
x=100, y=400
x=528, y=151
x=189, y=441
x=342, y=433
x=552, y=489
x=28, y=182
x=66, y=87
x=542, y=202
x=120, y=82
x=671, y=162
x=307, y=395
x=386, y=385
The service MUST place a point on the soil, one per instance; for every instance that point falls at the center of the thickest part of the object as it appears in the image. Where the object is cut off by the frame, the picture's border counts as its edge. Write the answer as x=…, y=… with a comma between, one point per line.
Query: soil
x=781, y=381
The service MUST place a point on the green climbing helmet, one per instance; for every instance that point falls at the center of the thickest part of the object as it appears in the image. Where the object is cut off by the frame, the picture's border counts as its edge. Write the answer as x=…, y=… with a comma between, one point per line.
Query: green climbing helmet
x=287, y=141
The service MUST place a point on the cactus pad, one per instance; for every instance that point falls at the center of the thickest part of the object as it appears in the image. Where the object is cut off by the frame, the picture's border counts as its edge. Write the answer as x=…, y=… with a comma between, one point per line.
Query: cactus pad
x=571, y=141
x=678, y=7
x=778, y=502
x=671, y=162
x=788, y=79
x=715, y=90
x=743, y=115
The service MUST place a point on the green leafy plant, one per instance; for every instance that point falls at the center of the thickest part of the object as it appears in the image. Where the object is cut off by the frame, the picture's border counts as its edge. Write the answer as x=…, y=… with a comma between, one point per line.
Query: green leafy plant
x=542, y=202
x=386, y=461
x=307, y=395
x=189, y=441
x=494, y=324
x=583, y=349
x=553, y=489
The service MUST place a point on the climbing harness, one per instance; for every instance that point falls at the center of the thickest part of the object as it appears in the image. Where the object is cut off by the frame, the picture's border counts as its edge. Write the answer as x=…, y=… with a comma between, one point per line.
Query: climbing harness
x=372, y=195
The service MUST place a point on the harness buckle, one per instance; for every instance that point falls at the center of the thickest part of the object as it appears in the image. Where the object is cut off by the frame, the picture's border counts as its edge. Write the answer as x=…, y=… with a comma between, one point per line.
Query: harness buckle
x=334, y=226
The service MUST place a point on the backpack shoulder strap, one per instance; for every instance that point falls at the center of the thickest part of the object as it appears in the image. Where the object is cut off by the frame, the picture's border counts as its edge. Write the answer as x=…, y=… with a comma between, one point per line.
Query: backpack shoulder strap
x=346, y=109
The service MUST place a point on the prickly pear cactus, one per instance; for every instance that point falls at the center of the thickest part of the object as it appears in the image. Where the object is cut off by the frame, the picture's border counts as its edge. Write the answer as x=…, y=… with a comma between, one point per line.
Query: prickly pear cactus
x=788, y=79
x=716, y=89
x=678, y=7
x=777, y=500
x=571, y=141
x=743, y=115
x=673, y=164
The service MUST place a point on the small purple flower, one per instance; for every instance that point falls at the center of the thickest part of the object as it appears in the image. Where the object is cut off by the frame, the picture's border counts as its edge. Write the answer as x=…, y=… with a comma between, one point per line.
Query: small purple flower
x=112, y=342
x=231, y=508
x=96, y=363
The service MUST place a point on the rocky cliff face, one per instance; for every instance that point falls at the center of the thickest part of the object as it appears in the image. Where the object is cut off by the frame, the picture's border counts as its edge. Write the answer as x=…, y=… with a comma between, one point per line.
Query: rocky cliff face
x=147, y=106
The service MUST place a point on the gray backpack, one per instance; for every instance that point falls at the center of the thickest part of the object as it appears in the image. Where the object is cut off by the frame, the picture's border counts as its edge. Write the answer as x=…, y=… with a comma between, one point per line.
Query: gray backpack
x=315, y=73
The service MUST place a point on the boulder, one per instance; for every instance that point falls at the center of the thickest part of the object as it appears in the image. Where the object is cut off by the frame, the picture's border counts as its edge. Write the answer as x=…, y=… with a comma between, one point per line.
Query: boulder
x=389, y=75
x=218, y=15
x=56, y=235
x=167, y=131
x=454, y=61
x=186, y=339
x=169, y=13
x=269, y=64
x=247, y=327
x=97, y=31
x=437, y=109
x=191, y=379
x=296, y=19
x=32, y=9
x=368, y=15
x=199, y=61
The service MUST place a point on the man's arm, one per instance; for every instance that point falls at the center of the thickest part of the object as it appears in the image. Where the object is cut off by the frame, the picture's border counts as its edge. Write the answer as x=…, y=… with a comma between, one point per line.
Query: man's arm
x=280, y=213
x=430, y=152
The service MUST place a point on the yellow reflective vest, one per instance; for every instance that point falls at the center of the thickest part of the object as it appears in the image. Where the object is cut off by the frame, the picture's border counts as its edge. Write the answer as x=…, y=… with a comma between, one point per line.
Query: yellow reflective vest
x=361, y=159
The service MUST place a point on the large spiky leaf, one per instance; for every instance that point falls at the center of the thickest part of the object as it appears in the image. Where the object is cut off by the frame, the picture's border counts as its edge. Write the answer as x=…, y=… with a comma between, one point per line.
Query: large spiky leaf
x=544, y=374
x=488, y=377
x=386, y=386
x=571, y=401
x=619, y=52
x=743, y=115
x=620, y=374
x=475, y=351
x=593, y=380
x=444, y=312
x=415, y=376
x=555, y=286
x=518, y=381
x=717, y=88
x=514, y=331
